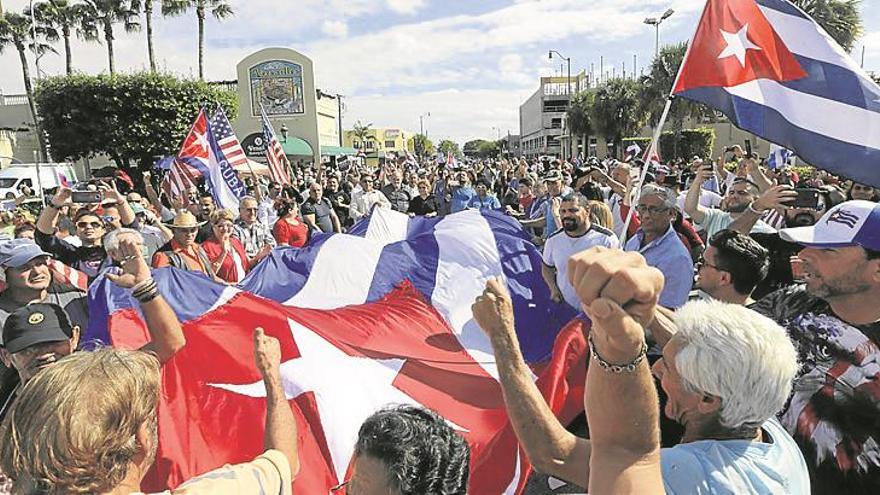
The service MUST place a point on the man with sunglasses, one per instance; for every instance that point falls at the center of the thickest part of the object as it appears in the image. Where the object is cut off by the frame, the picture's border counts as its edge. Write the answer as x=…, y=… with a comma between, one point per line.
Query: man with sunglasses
x=252, y=233
x=362, y=203
x=740, y=196
x=658, y=242
x=89, y=258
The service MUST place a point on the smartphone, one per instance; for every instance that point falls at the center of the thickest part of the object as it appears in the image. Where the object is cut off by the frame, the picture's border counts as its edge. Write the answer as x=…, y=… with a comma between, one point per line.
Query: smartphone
x=749, y=148
x=85, y=197
x=806, y=198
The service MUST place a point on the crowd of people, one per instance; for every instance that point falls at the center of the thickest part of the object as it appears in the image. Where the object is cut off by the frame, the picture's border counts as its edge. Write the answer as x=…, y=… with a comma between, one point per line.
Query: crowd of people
x=748, y=293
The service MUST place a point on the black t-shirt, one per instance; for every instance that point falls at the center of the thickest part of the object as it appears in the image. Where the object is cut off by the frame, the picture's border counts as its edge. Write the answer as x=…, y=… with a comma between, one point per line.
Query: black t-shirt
x=419, y=206
x=336, y=198
x=834, y=411
x=321, y=209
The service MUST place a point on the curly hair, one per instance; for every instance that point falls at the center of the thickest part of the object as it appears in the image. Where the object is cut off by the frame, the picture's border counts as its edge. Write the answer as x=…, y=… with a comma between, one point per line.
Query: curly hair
x=73, y=426
x=422, y=454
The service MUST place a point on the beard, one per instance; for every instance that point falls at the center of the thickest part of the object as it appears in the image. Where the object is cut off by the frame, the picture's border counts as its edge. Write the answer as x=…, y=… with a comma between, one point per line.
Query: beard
x=800, y=220
x=570, y=224
x=737, y=208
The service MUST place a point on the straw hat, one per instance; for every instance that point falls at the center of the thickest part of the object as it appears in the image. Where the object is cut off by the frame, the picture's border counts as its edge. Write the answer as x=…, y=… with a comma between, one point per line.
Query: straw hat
x=184, y=220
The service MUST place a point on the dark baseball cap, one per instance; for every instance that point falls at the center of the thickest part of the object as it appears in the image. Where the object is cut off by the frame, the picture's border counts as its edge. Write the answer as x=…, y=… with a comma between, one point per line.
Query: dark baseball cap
x=36, y=324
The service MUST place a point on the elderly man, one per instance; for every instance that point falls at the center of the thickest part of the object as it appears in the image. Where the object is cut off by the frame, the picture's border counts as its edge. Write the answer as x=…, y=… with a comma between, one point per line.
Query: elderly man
x=731, y=267
x=658, y=242
x=834, y=320
x=112, y=451
x=182, y=251
x=726, y=401
x=577, y=234
x=89, y=258
x=317, y=211
x=397, y=193
x=37, y=335
x=740, y=196
x=362, y=202
x=253, y=234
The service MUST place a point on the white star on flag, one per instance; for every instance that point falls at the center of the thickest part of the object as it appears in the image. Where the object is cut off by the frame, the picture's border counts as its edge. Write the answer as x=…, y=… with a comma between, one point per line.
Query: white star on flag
x=737, y=44
x=202, y=140
x=347, y=389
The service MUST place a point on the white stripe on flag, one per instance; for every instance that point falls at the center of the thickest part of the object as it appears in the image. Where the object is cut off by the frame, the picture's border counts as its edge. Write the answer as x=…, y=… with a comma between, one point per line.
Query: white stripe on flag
x=802, y=38
x=387, y=226
x=819, y=115
x=341, y=274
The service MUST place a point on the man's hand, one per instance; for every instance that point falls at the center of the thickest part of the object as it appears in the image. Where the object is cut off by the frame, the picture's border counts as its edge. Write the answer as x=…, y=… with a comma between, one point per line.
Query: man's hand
x=131, y=259
x=775, y=197
x=703, y=174
x=619, y=291
x=555, y=205
x=493, y=310
x=62, y=197
x=267, y=353
x=146, y=175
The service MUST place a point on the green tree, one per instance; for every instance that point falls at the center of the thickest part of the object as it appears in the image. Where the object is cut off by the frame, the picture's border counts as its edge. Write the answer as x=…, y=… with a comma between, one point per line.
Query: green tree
x=617, y=110
x=840, y=18
x=447, y=146
x=17, y=30
x=130, y=117
x=421, y=145
x=101, y=15
x=579, y=115
x=363, y=132
x=59, y=19
x=218, y=8
x=657, y=84
x=481, y=148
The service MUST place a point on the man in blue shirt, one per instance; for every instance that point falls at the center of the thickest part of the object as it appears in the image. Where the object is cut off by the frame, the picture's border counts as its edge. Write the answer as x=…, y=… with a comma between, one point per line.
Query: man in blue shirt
x=462, y=193
x=658, y=242
x=484, y=201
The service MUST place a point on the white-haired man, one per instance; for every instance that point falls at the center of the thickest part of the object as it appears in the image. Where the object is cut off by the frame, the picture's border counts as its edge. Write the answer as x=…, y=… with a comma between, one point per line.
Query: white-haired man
x=727, y=372
x=658, y=242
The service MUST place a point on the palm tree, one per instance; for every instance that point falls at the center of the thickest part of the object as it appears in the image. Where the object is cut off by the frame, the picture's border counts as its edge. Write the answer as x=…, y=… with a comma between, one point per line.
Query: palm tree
x=579, y=123
x=103, y=14
x=55, y=15
x=840, y=18
x=362, y=132
x=17, y=30
x=148, y=14
x=219, y=9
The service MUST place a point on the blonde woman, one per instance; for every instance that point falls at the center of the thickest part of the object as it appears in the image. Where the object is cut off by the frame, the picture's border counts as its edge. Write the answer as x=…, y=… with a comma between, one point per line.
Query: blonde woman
x=600, y=214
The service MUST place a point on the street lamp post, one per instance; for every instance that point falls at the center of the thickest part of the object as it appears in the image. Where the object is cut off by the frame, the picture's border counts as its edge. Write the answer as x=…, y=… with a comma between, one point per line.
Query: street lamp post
x=422, y=138
x=568, y=82
x=656, y=21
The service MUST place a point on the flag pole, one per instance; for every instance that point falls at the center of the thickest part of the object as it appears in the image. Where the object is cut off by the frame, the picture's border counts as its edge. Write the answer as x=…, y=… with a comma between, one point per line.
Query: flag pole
x=652, y=149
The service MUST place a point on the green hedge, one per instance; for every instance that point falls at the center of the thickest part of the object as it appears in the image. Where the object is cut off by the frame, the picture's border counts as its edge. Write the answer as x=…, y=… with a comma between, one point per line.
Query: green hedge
x=689, y=143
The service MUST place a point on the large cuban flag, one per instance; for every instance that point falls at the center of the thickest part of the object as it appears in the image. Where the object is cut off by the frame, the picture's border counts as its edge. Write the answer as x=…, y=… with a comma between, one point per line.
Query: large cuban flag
x=776, y=73
x=365, y=319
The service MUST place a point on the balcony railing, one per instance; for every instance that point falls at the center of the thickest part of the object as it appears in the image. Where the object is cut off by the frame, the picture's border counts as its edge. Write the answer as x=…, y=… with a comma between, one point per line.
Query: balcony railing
x=13, y=100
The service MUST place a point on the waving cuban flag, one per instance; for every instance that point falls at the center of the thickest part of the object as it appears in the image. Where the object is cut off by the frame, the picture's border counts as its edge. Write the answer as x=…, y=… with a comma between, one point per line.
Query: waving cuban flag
x=774, y=72
x=778, y=157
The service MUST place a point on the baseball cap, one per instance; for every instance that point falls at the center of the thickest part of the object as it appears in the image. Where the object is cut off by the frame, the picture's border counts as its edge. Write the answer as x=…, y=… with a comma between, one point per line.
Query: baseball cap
x=18, y=252
x=853, y=223
x=553, y=176
x=36, y=324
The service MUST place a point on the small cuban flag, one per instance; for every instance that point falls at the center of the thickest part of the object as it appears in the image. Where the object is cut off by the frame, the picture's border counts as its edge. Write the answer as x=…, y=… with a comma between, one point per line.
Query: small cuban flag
x=778, y=157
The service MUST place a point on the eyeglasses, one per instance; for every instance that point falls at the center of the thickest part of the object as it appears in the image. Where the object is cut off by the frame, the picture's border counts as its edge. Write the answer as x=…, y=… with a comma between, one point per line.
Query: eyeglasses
x=653, y=210
x=702, y=262
x=85, y=225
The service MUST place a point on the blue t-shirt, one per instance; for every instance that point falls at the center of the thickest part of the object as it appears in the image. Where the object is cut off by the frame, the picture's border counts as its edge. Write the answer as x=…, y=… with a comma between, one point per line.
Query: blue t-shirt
x=735, y=467
x=487, y=203
x=461, y=198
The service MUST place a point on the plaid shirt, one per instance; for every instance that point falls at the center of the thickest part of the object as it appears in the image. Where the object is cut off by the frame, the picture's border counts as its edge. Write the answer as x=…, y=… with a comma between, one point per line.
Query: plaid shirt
x=254, y=236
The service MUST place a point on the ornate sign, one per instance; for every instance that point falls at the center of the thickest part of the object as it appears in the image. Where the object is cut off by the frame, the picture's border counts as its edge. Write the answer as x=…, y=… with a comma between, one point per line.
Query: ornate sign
x=278, y=86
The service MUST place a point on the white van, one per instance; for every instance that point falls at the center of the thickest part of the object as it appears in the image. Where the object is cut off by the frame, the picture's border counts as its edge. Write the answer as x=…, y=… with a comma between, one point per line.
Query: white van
x=25, y=174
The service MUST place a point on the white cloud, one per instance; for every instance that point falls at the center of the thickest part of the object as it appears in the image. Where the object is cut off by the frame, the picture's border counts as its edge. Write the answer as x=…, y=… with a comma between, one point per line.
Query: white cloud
x=336, y=29
x=405, y=6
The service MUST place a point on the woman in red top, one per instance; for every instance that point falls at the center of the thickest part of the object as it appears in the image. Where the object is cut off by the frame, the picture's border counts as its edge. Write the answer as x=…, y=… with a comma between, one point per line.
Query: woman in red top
x=226, y=253
x=289, y=230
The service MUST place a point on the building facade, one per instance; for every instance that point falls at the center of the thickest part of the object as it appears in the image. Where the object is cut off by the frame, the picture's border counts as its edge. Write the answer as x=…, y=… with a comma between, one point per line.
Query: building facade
x=379, y=143
x=542, y=115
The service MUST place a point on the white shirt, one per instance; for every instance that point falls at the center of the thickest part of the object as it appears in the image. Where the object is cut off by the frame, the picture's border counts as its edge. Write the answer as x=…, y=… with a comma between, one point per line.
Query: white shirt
x=363, y=202
x=561, y=246
x=708, y=199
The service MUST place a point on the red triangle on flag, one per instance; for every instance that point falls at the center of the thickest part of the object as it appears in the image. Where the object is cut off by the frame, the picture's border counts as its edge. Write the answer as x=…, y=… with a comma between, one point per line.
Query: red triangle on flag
x=735, y=44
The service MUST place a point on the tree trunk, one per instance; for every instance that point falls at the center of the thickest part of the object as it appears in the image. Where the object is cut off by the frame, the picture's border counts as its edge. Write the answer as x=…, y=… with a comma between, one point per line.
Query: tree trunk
x=108, y=37
x=200, y=14
x=29, y=89
x=68, y=55
x=148, y=12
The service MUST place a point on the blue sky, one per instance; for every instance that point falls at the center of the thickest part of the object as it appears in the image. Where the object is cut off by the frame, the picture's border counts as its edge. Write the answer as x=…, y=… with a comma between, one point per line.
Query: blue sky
x=469, y=63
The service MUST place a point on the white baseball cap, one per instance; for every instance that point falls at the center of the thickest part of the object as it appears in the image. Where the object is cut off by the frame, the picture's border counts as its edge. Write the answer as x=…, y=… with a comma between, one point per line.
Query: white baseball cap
x=853, y=223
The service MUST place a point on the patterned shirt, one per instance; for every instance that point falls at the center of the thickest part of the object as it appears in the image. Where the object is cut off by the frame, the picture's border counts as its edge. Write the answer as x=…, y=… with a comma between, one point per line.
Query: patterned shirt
x=835, y=405
x=253, y=236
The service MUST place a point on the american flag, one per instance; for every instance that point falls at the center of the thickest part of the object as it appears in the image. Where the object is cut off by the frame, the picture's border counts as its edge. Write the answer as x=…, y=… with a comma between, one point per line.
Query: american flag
x=225, y=136
x=278, y=163
x=178, y=180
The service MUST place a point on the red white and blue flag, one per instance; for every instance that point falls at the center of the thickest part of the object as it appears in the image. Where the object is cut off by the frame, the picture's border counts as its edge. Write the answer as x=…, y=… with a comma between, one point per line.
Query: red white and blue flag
x=190, y=163
x=279, y=165
x=773, y=71
x=352, y=343
x=220, y=176
x=227, y=140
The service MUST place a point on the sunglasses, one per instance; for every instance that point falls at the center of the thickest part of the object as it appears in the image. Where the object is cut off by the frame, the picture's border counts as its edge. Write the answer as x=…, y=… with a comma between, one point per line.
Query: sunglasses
x=85, y=225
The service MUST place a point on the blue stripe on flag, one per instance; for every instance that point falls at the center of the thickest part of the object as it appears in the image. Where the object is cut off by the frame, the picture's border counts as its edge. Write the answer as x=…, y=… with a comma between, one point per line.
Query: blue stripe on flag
x=784, y=7
x=282, y=274
x=852, y=161
x=837, y=83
